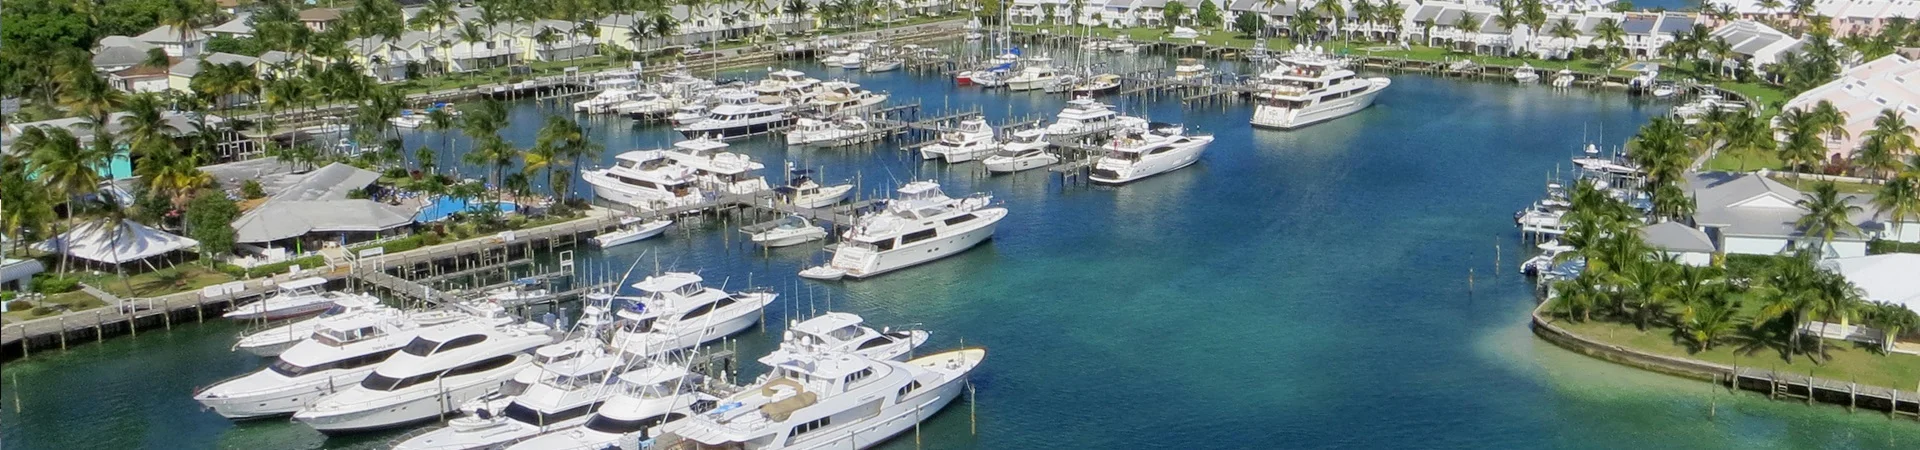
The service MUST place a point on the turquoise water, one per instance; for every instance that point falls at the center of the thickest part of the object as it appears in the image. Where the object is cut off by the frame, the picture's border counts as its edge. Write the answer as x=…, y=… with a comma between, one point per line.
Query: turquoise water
x=1294, y=289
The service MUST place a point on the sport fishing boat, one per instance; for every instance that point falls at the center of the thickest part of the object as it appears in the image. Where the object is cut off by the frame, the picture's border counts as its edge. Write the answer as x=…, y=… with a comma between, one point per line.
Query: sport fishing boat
x=1026, y=150
x=632, y=229
x=644, y=178
x=853, y=61
x=1190, y=69
x=569, y=380
x=271, y=341
x=716, y=170
x=1310, y=87
x=742, y=114
x=1563, y=78
x=834, y=400
x=649, y=105
x=518, y=293
x=605, y=100
x=838, y=332
x=291, y=299
x=338, y=355
x=970, y=140
x=643, y=399
x=802, y=191
x=688, y=113
x=674, y=311
x=1162, y=148
x=840, y=97
x=1525, y=74
x=1084, y=116
x=1038, y=73
x=923, y=224
x=437, y=371
x=785, y=231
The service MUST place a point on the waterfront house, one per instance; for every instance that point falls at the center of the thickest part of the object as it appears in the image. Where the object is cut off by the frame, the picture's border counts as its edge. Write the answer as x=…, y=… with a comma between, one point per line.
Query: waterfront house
x=175, y=43
x=1881, y=278
x=319, y=19
x=1687, y=244
x=319, y=210
x=115, y=53
x=1757, y=43
x=1845, y=17
x=1751, y=214
x=1861, y=92
x=16, y=273
x=180, y=76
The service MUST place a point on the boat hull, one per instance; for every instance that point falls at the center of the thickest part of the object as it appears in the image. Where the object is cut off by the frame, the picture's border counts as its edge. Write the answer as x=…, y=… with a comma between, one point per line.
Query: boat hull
x=252, y=312
x=414, y=407
x=934, y=249
x=1028, y=84
x=1173, y=160
x=644, y=345
x=790, y=239
x=285, y=399
x=1011, y=165
x=1266, y=116
x=629, y=235
x=735, y=132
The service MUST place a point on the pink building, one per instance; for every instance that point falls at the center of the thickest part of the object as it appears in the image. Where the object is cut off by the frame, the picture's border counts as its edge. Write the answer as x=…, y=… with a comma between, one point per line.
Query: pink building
x=1891, y=82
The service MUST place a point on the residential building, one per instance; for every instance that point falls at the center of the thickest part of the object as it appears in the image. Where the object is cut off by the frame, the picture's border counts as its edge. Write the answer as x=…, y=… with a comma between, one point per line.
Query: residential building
x=174, y=42
x=319, y=19
x=1751, y=214
x=1757, y=43
x=1688, y=245
x=1862, y=92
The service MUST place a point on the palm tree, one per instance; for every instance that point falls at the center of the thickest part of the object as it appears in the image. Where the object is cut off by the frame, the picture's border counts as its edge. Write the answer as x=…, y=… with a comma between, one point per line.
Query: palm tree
x=185, y=16
x=1890, y=319
x=1172, y=14
x=1392, y=12
x=1791, y=290
x=556, y=143
x=1611, y=37
x=472, y=34
x=1890, y=137
x=1803, y=146
x=1828, y=214
x=1576, y=297
x=1334, y=10
x=1306, y=25
x=1899, y=200
x=1749, y=136
x=148, y=132
x=64, y=166
x=443, y=122
x=1838, y=300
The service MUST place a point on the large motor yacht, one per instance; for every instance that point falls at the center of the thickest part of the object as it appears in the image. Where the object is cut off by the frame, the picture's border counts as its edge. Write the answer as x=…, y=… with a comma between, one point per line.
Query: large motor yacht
x=1162, y=148
x=432, y=375
x=1310, y=87
x=643, y=400
x=785, y=82
x=741, y=114
x=339, y=354
x=833, y=400
x=972, y=139
x=844, y=98
x=271, y=341
x=292, y=299
x=811, y=132
x=1027, y=149
x=1038, y=73
x=569, y=381
x=717, y=170
x=838, y=332
x=922, y=225
x=674, y=311
x=1084, y=116
x=644, y=178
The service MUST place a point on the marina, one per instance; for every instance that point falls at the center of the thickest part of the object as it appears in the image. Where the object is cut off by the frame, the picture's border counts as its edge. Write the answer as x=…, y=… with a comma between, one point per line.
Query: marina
x=1391, y=287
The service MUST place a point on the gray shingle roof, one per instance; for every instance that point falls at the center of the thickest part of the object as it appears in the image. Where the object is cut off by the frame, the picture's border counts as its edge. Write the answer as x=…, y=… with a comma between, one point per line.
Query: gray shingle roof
x=319, y=203
x=1677, y=237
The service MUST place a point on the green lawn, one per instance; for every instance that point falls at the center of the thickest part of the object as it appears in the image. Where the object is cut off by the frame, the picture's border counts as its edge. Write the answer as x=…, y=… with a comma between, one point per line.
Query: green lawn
x=179, y=278
x=1728, y=162
x=1851, y=362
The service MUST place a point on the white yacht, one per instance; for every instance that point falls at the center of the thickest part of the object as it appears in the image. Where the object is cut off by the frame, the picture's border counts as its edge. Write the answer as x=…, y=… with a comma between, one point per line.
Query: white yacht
x=632, y=229
x=1084, y=116
x=1525, y=74
x=644, y=178
x=674, y=311
x=642, y=401
x=785, y=82
x=1190, y=69
x=570, y=380
x=885, y=64
x=802, y=191
x=518, y=293
x=742, y=114
x=841, y=97
x=271, y=341
x=1310, y=87
x=291, y=299
x=1123, y=45
x=1563, y=78
x=688, y=113
x=922, y=225
x=1038, y=73
x=605, y=101
x=648, y=105
x=811, y=132
x=783, y=232
x=432, y=375
x=1161, y=149
x=408, y=119
x=338, y=355
x=1026, y=150
x=838, y=332
x=716, y=170
x=1101, y=84
x=972, y=139
x=835, y=58
x=835, y=400
x=853, y=61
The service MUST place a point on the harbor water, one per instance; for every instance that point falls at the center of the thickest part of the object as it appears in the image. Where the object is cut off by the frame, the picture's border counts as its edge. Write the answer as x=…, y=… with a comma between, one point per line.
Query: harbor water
x=1347, y=285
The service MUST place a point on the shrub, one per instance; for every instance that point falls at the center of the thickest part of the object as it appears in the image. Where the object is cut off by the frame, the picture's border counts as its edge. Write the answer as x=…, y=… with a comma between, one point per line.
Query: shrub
x=54, y=284
x=1880, y=246
x=267, y=270
x=251, y=190
x=44, y=310
x=430, y=238
x=19, y=305
x=7, y=296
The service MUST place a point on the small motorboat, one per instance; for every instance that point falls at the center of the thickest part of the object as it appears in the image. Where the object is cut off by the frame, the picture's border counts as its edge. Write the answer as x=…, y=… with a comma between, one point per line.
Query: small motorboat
x=295, y=298
x=884, y=64
x=632, y=229
x=802, y=191
x=520, y=293
x=1525, y=74
x=787, y=231
x=271, y=342
x=1099, y=84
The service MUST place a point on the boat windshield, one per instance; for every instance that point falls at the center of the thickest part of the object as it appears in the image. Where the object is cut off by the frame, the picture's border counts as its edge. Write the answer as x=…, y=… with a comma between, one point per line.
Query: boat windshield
x=639, y=326
x=574, y=382
x=336, y=338
x=611, y=425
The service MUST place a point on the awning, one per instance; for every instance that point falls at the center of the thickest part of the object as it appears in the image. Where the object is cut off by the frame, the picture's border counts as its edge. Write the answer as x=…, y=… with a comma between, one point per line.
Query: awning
x=130, y=241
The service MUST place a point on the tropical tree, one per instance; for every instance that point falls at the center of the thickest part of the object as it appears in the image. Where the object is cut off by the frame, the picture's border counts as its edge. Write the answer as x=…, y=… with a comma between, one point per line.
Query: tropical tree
x=1207, y=16
x=1828, y=214
x=1891, y=319
x=1611, y=37
x=64, y=166
x=1803, y=146
x=1173, y=14
x=1333, y=10
x=1899, y=199
x=1890, y=138
x=1838, y=300
x=1748, y=137
x=1790, y=290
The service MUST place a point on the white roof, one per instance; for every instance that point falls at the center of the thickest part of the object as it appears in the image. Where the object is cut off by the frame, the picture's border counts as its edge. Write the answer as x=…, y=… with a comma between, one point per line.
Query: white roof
x=1885, y=278
x=1863, y=91
x=131, y=241
x=654, y=374
x=827, y=323
x=920, y=187
x=320, y=203
x=304, y=283
x=639, y=155
x=667, y=281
